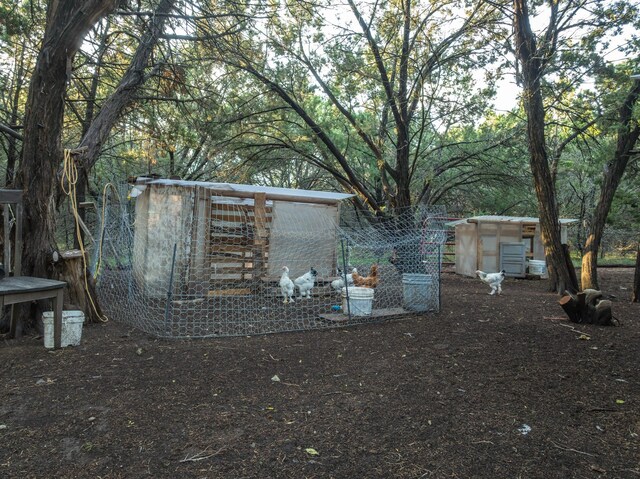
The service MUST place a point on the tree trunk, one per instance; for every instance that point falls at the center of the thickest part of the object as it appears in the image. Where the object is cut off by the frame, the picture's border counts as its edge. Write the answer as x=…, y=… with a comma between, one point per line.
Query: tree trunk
x=68, y=21
x=100, y=128
x=532, y=71
x=570, y=267
x=12, y=148
x=635, y=294
x=587, y=307
x=613, y=172
x=80, y=291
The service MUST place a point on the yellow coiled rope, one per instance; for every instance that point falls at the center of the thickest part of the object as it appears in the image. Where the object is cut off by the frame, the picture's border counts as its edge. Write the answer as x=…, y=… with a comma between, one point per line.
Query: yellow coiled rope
x=68, y=183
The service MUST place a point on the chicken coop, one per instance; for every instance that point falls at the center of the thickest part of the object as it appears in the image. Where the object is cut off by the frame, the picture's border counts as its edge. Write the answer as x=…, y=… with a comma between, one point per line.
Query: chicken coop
x=496, y=243
x=228, y=238
x=198, y=259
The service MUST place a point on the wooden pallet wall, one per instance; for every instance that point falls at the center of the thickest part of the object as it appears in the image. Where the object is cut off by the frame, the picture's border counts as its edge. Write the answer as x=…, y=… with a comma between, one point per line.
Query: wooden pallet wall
x=238, y=247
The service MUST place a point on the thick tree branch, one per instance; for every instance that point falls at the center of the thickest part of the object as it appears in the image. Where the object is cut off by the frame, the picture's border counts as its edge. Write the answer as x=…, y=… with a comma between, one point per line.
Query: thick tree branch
x=10, y=131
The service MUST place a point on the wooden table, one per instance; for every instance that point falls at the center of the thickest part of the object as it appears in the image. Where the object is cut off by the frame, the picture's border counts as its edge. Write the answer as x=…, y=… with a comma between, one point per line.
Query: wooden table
x=24, y=289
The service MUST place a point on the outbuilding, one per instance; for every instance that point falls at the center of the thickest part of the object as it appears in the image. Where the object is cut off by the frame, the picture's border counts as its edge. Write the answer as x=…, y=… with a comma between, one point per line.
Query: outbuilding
x=495, y=243
x=204, y=238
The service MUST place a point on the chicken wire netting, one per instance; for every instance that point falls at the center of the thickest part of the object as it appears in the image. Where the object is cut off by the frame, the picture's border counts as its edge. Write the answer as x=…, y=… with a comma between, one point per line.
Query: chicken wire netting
x=183, y=262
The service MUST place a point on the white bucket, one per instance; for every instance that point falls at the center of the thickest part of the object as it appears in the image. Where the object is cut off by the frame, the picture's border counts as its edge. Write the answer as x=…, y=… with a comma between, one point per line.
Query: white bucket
x=538, y=267
x=72, y=322
x=417, y=291
x=360, y=301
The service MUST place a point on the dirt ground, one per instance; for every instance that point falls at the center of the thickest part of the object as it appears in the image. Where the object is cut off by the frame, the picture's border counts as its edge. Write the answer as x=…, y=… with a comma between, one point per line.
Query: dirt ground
x=490, y=387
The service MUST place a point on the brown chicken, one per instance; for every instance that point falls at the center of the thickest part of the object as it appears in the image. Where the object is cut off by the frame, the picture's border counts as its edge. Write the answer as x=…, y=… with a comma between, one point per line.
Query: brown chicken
x=370, y=281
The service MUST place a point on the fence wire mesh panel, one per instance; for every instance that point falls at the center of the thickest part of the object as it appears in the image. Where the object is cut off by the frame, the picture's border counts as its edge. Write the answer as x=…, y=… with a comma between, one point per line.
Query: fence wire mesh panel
x=186, y=262
x=618, y=247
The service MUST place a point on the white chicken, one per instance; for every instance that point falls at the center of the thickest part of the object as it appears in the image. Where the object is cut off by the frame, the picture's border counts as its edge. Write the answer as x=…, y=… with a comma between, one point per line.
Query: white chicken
x=492, y=279
x=338, y=284
x=306, y=282
x=286, y=285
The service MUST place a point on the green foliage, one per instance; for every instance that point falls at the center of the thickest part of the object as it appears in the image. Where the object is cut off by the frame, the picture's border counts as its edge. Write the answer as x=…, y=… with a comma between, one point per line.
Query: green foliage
x=293, y=93
x=15, y=19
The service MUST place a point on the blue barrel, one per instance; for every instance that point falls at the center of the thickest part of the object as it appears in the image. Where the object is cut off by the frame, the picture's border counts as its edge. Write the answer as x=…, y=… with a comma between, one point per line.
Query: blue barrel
x=418, y=292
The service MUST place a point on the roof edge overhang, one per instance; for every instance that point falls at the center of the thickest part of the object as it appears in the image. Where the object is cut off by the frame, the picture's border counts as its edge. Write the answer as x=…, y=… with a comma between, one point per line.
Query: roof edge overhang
x=250, y=191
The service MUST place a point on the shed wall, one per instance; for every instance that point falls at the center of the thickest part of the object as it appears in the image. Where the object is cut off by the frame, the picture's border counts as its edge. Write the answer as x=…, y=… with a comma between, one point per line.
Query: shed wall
x=298, y=235
x=303, y=235
x=466, y=249
x=538, y=246
x=163, y=218
x=490, y=236
x=478, y=243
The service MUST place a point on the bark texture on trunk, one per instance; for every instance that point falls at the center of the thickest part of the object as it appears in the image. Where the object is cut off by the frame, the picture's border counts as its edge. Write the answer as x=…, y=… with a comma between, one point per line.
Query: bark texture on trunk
x=531, y=59
x=124, y=94
x=635, y=294
x=80, y=292
x=612, y=176
x=587, y=307
x=68, y=21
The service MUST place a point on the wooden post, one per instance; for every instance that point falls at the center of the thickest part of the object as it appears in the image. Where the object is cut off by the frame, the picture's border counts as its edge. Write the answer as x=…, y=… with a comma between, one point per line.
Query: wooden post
x=7, y=239
x=635, y=294
x=12, y=256
x=261, y=237
x=72, y=270
x=199, y=279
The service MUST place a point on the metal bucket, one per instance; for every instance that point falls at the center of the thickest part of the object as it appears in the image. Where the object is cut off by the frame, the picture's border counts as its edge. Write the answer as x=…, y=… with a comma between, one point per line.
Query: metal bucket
x=417, y=291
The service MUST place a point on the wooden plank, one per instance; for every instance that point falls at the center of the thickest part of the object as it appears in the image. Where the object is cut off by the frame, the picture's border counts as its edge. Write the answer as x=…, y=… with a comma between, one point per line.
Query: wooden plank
x=225, y=262
x=199, y=238
x=17, y=267
x=228, y=207
x=229, y=292
x=10, y=196
x=219, y=241
x=6, y=259
x=234, y=207
x=236, y=257
x=230, y=216
x=226, y=278
x=375, y=314
x=230, y=270
x=213, y=248
x=242, y=230
x=224, y=283
x=228, y=251
x=22, y=284
x=275, y=196
x=260, y=215
x=528, y=231
x=238, y=218
x=219, y=251
x=261, y=234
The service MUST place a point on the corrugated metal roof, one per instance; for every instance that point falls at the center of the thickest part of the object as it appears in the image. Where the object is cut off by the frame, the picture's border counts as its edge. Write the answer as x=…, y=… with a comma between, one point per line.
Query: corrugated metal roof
x=506, y=219
x=515, y=219
x=268, y=190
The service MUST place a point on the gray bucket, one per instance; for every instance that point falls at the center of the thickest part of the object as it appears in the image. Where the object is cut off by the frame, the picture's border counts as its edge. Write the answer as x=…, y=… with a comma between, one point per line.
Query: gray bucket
x=417, y=291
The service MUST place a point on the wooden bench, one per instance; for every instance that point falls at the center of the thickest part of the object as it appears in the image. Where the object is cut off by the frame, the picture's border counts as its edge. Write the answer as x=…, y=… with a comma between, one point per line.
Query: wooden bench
x=15, y=289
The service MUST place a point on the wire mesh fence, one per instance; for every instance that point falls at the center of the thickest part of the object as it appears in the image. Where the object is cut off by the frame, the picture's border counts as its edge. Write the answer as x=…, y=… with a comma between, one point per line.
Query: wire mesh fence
x=184, y=260
x=617, y=247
